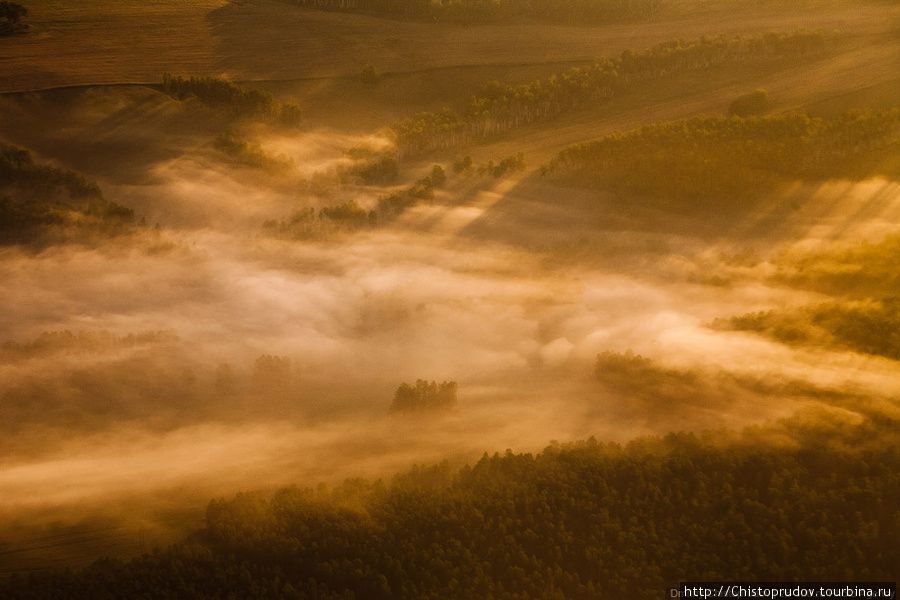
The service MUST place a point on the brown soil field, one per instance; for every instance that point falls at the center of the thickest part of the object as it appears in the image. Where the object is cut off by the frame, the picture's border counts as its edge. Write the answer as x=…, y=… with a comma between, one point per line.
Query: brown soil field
x=109, y=41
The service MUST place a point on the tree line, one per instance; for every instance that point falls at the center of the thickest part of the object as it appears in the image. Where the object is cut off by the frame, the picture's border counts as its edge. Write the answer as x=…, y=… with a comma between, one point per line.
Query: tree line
x=499, y=107
x=97, y=380
x=221, y=94
x=866, y=319
x=493, y=11
x=52, y=342
x=867, y=326
x=586, y=520
x=725, y=160
x=41, y=203
x=243, y=152
x=865, y=269
x=347, y=217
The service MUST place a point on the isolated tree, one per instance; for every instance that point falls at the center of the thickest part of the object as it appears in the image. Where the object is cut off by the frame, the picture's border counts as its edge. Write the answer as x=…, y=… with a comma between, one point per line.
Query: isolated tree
x=11, y=15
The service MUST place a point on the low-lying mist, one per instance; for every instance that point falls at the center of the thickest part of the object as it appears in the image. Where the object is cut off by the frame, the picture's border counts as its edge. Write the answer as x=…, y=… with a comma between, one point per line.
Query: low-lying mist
x=142, y=378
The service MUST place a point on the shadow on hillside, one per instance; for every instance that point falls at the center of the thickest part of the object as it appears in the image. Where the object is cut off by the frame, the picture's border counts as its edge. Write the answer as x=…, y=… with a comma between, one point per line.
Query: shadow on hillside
x=539, y=214
x=544, y=215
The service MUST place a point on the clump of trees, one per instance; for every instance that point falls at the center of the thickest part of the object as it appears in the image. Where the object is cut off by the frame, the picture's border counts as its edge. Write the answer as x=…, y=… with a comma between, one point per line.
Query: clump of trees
x=364, y=166
x=11, y=15
x=381, y=169
x=392, y=206
x=221, y=94
x=867, y=326
x=510, y=164
x=462, y=165
x=93, y=381
x=349, y=213
x=581, y=521
x=499, y=107
x=424, y=397
x=41, y=203
x=633, y=370
x=859, y=271
x=722, y=160
x=249, y=154
x=307, y=224
x=350, y=216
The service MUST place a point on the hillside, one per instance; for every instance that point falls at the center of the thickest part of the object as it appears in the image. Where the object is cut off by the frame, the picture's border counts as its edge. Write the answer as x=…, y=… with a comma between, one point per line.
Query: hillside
x=271, y=40
x=254, y=244
x=583, y=520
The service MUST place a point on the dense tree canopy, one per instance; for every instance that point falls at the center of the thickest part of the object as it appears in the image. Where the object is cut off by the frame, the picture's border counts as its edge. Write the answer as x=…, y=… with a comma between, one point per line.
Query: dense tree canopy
x=868, y=326
x=862, y=270
x=500, y=106
x=722, y=161
x=582, y=521
x=42, y=203
x=245, y=153
x=222, y=94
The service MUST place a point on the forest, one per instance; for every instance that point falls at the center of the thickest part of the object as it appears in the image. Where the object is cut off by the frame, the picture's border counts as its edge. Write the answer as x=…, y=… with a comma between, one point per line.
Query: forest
x=869, y=326
x=864, y=315
x=222, y=94
x=498, y=107
x=41, y=203
x=585, y=520
x=721, y=162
